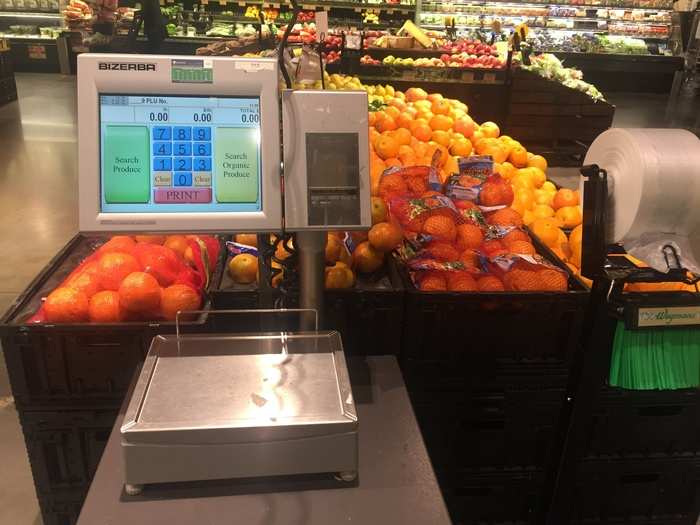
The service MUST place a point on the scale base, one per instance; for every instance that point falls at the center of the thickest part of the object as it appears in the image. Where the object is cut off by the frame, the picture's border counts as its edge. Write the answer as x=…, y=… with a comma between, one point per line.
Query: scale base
x=167, y=462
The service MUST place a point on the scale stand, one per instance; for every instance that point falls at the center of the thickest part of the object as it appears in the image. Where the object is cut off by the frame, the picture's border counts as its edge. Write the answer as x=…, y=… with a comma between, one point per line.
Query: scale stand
x=188, y=418
x=591, y=362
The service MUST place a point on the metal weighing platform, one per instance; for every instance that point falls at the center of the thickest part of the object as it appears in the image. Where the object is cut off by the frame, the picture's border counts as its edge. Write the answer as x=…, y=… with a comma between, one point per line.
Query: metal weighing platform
x=240, y=406
x=396, y=484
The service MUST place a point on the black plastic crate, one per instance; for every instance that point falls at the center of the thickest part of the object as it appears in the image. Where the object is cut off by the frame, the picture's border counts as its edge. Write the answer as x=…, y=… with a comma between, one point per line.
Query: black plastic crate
x=453, y=341
x=65, y=448
x=489, y=429
x=6, y=69
x=8, y=90
x=679, y=519
x=64, y=510
x=497, y=497
x=636, y=489
x=369, y=316
x=633, y=423
x=72, y=366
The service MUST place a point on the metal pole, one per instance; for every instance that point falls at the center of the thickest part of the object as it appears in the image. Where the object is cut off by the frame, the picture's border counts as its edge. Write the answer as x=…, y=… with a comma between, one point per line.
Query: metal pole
x=312, y=261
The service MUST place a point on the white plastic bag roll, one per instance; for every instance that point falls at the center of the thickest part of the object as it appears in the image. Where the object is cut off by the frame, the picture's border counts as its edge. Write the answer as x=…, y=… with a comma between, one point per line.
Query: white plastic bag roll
x=653, y=190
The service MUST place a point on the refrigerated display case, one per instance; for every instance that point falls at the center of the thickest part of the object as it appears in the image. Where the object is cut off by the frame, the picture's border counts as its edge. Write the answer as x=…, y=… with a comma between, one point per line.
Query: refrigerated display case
x=33, y=28
x=619, y=45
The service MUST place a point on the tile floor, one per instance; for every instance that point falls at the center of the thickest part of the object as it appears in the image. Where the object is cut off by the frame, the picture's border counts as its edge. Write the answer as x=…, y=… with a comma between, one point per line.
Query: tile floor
x=38, y=214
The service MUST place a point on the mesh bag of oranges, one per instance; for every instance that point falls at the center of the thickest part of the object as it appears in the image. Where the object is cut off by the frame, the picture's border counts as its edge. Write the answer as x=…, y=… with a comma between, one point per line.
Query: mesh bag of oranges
x=139, y=278
x=527, y=273
x=477, y=184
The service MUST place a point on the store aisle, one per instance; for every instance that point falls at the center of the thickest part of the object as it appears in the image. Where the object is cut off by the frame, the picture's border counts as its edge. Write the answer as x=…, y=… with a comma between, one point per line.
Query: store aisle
x=38, y=214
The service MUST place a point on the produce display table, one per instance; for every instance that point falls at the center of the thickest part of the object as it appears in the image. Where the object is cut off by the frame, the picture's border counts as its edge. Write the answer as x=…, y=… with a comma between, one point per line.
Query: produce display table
x=396, y=484
x=634, y=73
x=36, y=55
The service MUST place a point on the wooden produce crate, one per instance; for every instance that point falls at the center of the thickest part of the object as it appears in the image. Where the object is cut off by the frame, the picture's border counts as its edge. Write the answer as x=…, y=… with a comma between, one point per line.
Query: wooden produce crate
x=553, y=120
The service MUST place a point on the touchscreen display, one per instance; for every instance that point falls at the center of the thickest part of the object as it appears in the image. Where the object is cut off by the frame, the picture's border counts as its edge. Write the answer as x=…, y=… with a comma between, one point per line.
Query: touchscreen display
x=171, y=154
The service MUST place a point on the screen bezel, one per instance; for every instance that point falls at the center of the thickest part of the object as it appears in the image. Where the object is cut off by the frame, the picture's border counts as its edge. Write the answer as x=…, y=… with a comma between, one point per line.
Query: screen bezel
x=260, y=160
x=233, y=76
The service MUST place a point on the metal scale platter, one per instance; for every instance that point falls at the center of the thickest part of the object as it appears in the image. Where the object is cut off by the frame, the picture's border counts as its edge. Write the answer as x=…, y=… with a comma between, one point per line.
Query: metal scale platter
x=220, y=406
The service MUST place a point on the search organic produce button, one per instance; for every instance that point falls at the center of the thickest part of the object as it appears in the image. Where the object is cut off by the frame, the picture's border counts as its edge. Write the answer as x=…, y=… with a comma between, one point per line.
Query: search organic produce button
x=126, y=173
x=182, y=196
x=236, y=164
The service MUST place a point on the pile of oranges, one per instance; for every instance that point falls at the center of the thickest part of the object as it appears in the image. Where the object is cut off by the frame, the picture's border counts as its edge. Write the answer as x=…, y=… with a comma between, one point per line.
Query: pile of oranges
x=140, y=278
x=408, y=131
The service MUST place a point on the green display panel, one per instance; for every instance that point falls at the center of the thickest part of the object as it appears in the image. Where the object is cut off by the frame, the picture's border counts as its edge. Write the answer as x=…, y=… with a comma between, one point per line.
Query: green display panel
x=236, y=164
x=125, y=165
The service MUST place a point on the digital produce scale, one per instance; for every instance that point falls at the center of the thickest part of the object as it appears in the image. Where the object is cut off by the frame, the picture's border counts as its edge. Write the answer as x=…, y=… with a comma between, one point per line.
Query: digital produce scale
x=193, y=144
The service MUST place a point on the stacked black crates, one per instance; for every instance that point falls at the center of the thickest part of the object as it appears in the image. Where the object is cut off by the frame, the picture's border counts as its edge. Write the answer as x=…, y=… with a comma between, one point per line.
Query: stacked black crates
x=8, y=89
x=68, y=382
x=487, y=375
x=642, y=459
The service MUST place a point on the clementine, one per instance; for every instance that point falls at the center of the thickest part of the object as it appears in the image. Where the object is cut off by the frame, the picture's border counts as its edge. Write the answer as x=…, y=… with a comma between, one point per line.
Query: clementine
x=441, y=122
x=150, y=239
x=179, y=244
x=565, y=197
x=441, y=228
x=489, y=283
x=178, y=298
x=66, y=305
x=366, y=259
x=469, y=236
x=139, y=292
x=385, y=236
x=243, y=267
x=118, y=243
x=387, y=147
x=104, y=308
x=114, y=267
x=490, y=129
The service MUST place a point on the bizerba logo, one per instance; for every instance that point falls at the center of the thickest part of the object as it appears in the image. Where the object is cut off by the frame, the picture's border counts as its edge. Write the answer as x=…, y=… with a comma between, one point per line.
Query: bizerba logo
x=125, y=66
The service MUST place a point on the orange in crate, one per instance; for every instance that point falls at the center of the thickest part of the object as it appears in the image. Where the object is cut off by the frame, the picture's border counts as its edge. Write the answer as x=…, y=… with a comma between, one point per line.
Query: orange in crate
x=515, y=235
x=118, y=243
x=469, y=258
x=442, y=251
x=385, y=236
x=366, y=259
x=469, y=236
x=465, y=126
x=150, y=239
x=564, y=197
x=440, y=228
x=66, y=305
x=552, y=280
x=179, y=244
x=114, y=267
x=392, y=184
x=441, y=122
x=432, y=282
x=461, y=282
x=139, y=292
x=521, y=247
x=506, y=217
x=104, y=307
x=178, y=297
x=490, y=283
x=386, y=147
x=86, y=282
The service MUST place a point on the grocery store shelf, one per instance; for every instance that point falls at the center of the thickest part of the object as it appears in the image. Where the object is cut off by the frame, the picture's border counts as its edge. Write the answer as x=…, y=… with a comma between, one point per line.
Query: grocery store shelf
x=30, y=14
x=335, y=5
x=547, y=4
x=28, y=37
x=574, y=18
